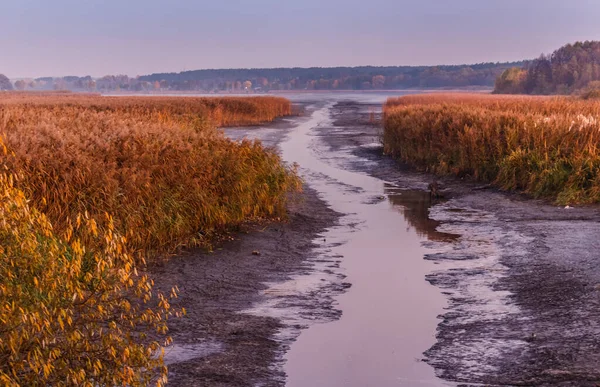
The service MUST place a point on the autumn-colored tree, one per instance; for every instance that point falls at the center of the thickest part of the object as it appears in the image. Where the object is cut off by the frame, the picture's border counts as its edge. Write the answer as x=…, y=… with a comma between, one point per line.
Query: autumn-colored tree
x=264, y=82
x=378, y=81
x=512, y=81
x=592, y=91
x=20, y=85
x=569, y=69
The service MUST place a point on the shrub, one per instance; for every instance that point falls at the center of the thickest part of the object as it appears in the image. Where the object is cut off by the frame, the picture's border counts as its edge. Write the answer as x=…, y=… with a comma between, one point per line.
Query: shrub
x=592, y=91
x=511, y=81
x=70, y=315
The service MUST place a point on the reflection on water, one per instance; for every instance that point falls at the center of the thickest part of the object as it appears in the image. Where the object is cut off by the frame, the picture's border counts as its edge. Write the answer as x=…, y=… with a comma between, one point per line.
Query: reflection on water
x=414, y=206
x=389, y=315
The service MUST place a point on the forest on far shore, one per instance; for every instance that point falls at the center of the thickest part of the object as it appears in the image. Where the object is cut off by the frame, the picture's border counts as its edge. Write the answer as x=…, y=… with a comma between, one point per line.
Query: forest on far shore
x=265, y=80
x=573, y=68
x=335, y=78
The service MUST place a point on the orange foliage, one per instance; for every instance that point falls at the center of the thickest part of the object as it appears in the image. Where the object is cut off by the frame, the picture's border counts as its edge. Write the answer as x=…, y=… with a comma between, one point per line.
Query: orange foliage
x=157, y=165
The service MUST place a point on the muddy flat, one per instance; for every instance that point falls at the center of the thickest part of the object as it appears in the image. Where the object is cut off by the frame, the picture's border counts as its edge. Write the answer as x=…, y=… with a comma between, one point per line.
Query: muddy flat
x=370, y=282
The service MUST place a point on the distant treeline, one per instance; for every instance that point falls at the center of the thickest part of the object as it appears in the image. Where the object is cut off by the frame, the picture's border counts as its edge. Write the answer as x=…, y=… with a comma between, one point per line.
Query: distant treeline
x=263, y=80
x=570, y=69
x=333, y=78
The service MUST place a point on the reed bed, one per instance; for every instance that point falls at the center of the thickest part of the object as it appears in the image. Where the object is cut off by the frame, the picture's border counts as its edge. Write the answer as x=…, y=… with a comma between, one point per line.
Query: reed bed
x=217, y=111
x=157, y=165
x=544, y=146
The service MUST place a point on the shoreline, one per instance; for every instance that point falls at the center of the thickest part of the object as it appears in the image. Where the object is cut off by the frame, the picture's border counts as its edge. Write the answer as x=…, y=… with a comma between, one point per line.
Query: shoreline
x=173, y=93
x=217, y=344
x=541, y=271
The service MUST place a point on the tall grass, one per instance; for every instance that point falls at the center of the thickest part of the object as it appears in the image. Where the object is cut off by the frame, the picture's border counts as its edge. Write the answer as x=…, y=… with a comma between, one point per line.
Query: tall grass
x=546, y=147
x=157, y=165
x=225, y=111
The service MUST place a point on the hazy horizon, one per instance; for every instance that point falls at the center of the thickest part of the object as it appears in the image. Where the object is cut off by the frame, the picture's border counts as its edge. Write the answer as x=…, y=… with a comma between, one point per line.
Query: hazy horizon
x=96, y=38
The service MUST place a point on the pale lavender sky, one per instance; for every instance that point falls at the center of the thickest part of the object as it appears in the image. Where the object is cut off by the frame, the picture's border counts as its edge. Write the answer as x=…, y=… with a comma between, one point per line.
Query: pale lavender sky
x=134, y=37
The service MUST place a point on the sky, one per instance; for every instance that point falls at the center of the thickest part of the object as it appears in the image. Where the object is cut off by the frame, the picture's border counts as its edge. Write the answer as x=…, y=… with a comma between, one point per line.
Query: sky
x=137, y=37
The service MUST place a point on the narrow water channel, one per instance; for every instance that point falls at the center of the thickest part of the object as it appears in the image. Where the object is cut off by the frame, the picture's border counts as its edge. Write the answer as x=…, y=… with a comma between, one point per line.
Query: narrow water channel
x=390, y=313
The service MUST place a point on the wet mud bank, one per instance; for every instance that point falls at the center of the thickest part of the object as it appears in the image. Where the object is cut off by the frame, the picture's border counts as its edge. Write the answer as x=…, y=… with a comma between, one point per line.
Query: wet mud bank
x=522, y=277
x=217, y=344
